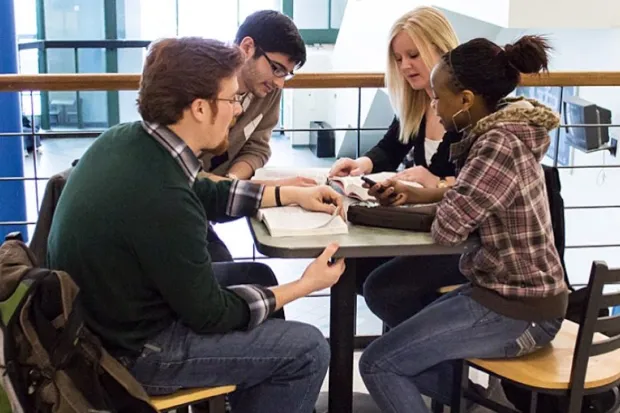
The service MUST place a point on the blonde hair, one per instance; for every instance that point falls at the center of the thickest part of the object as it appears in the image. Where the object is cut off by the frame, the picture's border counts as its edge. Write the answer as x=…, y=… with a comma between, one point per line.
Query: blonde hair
x=431, y=31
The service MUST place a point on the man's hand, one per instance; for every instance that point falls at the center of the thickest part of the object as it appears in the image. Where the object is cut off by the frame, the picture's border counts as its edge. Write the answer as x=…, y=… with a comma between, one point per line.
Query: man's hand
x=317, y=198
x=320, y=199
x=321, y=274
x=297, y=181
x=420, y=175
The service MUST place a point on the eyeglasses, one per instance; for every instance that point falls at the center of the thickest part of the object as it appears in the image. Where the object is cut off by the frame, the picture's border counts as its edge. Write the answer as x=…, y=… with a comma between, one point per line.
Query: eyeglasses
x=277, y=68
x=236, y=99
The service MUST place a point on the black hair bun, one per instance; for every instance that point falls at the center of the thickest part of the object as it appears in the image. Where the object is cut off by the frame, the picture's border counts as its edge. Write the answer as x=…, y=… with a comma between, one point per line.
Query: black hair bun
x=529, y=54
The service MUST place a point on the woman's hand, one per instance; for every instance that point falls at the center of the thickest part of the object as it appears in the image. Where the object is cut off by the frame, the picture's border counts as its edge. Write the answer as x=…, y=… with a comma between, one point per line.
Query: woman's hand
x=390, y=192
x=394, y=193
x=354, y=167
x=420, y=175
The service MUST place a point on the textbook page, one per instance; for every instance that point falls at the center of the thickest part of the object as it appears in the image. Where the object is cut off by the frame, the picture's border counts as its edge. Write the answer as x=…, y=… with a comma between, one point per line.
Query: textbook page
x=290, y=221
x=268, y=174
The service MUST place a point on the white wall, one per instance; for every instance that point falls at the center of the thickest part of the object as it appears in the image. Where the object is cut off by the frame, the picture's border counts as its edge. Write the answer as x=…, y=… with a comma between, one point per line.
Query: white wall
x=301, y=106
x=567, y=14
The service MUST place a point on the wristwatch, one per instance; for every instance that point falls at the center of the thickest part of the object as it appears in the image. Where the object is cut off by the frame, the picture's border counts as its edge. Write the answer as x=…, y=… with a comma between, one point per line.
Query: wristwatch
x=442, y=183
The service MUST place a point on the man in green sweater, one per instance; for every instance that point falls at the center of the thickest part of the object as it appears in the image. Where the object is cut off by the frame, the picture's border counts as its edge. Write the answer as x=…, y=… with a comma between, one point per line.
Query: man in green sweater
x=130, y=228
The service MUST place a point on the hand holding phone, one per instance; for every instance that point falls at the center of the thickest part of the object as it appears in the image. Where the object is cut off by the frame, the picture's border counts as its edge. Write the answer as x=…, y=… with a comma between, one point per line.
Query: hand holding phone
x=372, y=183
x=368, y=181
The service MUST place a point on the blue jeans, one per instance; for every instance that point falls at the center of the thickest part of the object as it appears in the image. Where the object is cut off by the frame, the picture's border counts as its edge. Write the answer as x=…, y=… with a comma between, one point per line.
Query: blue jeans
x=278, y=366
x=403, y=286
x=418, y=356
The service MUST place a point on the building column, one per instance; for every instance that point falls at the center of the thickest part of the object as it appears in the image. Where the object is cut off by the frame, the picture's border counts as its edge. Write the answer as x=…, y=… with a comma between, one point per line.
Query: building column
x=12, y=193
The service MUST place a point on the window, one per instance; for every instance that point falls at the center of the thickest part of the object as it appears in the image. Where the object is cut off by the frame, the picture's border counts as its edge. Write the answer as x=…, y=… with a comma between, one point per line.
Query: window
x=74, y=19
x=247, y=7
x=139, y=20
x=25, y=18
x=208, y=18
x=318, y=20
x=311, y=14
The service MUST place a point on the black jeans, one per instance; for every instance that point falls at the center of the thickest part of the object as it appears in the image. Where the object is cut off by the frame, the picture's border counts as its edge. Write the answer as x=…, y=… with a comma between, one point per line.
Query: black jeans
x=237, y=273
x=395, y=289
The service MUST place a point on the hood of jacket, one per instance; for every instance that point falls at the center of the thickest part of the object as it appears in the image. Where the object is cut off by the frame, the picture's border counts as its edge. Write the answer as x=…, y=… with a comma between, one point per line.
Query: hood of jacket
x=527, y=119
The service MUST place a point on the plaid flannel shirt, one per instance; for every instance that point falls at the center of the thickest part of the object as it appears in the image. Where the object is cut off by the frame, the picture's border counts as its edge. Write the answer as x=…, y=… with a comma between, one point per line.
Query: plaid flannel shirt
x=500, y=193
x=244, y=199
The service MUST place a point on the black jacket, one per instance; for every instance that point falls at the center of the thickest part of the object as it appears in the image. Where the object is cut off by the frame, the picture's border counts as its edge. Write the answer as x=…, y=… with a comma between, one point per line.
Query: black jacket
x=556, y=208
x=53, y=189
x=389, y=152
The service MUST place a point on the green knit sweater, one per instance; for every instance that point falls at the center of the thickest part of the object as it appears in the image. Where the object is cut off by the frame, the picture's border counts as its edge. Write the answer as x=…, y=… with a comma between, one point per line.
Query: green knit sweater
x=131, y=231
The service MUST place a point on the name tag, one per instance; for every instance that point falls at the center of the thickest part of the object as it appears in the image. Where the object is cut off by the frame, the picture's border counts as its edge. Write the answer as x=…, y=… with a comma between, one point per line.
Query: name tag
x=250, y=127
x=246, y=102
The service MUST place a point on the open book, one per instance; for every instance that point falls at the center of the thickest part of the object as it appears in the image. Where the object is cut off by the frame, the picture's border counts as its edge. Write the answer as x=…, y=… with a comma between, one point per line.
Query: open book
x=267, y=174
x=351, y=186
x=294, y=221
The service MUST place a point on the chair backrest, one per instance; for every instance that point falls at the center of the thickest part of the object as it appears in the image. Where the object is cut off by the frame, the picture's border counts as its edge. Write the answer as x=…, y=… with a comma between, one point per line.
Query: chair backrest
x=600, y=276
x=556, y=209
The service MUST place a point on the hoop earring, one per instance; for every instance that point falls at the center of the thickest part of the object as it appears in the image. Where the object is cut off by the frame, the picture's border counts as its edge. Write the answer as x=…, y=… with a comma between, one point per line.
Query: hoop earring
x=469, y=125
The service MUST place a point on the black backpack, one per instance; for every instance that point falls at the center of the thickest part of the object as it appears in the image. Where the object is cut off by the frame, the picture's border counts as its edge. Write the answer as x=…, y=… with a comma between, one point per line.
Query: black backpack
x=519, y=397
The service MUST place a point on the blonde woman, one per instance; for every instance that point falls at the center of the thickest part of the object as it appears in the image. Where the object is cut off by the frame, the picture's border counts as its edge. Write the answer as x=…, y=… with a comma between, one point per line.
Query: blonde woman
x=415, y=142
x=418, y=145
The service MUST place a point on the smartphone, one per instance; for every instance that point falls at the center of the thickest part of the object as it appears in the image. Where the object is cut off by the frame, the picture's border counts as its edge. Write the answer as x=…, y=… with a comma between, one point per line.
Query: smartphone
x=372, y=183
x=368, y=181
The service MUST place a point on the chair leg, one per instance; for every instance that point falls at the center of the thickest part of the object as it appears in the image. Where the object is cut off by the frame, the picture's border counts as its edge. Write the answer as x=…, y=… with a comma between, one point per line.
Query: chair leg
x=436, y=407
x=533, y=401
x=217, y=404
x=460, y=383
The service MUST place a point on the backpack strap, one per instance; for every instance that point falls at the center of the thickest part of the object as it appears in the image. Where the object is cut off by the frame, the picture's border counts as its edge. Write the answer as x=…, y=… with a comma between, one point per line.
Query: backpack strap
x=65, y=345
x=124, y=377
x=60, y=346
